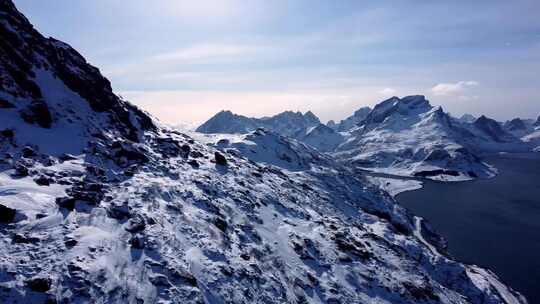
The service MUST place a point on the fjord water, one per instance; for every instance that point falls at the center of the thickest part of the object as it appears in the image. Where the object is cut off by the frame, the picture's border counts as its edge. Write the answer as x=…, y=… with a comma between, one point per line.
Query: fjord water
x=493, y=223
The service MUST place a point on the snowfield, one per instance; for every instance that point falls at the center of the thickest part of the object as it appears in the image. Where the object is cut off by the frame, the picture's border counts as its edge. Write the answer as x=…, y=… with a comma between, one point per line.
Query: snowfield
x=102, y=204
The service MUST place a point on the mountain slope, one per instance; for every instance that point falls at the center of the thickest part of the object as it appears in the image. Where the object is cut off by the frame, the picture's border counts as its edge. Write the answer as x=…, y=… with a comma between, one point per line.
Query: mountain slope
x=287, y=123
x=351, y=121
x=410, y=137
x=139, y=213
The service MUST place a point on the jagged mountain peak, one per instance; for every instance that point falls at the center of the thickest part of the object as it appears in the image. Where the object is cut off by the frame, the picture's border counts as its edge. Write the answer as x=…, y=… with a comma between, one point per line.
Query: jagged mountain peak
x=493, y=129
x=515, y=124
x=351, y=121
x=311, y=118
x=288, y=123
x=409, y=105
x=467, y=118
x=33, y=64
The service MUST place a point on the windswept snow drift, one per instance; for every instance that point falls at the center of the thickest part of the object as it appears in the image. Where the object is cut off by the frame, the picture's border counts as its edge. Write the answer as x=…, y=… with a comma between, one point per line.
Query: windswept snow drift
x=101, y=204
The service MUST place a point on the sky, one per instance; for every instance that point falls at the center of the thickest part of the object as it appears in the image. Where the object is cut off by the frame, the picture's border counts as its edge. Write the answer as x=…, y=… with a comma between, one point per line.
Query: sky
x=184, y=60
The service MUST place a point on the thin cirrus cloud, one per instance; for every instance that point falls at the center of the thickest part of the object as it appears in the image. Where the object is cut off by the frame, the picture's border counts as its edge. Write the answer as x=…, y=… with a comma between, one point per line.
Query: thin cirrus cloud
x=207, y=52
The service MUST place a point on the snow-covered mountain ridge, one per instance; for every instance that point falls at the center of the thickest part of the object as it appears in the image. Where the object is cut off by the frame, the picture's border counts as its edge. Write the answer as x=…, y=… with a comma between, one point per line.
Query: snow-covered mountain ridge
x=101, y=204
x=407, y=136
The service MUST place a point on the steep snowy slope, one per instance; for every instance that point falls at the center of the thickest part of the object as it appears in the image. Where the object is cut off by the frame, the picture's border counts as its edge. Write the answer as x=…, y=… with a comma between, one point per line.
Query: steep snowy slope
x=410, y=137
x=323, y=138
x=100, y=204
x=353, y=120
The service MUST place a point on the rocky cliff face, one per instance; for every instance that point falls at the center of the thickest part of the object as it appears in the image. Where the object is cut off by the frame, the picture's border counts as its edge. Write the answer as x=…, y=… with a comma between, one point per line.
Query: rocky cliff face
x=101, y=205
x=30, y=60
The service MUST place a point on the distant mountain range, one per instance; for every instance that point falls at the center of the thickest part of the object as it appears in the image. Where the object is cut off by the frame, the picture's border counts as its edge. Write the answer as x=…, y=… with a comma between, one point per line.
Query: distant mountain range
x=404, y=136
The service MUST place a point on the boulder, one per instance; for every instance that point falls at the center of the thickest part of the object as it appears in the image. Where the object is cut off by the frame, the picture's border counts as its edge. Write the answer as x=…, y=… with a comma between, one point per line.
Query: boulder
x=136, y=224
x=66, y=203
x=43, y=180
x=21, y=170
x=28, y=152
x=194, y=163
x=7, y=215
x=220, y=159
x=37, y=112
x=39, y=284
x=4, y=104
x=8, y=133
x=118, y=211
x=137, y=241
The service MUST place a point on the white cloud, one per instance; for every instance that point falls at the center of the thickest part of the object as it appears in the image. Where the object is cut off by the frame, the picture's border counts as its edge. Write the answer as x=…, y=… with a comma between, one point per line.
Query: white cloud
x=453, y=89
x=387, y=92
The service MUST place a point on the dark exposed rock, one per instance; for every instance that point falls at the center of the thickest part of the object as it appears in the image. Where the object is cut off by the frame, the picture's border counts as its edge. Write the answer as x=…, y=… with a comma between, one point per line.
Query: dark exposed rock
x=66, y=203
x=118, y=211
x=21, y=170
x=420, y=292
x=220, y=159
x=66, y=157
x=185, y=150
x=351, y=246
x=91, y=193
x=43, y=180
x=435, y=173
x=193, y=163
x=472, y=174
x=95, y=170
x=169, y=147
x=37, y=112
x=39, y=284
x=159, y=280
x=8, y=133
x=196, y=154
x=221, y=224
x=136, y=224
x=137, y=241
x=4, y=104
x=7, y=215
x=130, y=152
x=186, y=277
x=70, y=243
x=28, y=152
x=19, y=238
x=40, y=216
